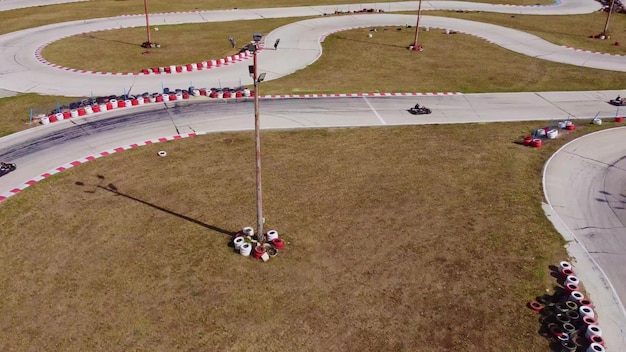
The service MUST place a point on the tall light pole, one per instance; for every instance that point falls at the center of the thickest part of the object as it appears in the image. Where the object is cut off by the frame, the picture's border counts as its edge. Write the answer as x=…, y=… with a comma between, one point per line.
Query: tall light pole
x=608, y=18
x=145, y=5
x=257, y=139
x=417, y=25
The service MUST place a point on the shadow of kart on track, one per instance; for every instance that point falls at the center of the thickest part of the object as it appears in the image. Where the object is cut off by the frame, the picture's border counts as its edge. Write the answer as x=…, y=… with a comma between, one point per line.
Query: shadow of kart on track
x=618, y=101
x=5, y=168
x=419, y=110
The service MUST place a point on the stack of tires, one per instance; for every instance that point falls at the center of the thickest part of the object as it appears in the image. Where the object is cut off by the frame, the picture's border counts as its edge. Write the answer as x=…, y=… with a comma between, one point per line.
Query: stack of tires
x=567, y=316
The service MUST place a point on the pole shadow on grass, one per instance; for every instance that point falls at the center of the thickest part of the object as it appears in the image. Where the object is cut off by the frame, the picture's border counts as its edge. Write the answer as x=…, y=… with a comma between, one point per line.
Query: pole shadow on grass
x=111, y=40
x=113, y=189
x=371, y=43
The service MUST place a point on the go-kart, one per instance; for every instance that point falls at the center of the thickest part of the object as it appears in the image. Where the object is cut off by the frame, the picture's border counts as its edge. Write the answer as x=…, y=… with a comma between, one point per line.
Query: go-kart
x=419, y=110
x=5, y=168
x=618, y=101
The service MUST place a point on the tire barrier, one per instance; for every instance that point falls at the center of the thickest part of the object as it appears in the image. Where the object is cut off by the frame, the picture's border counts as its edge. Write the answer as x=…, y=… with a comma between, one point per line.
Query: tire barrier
x=278, y=243
x=576, y=296
x=586, y=311
x=567, y=272
x=571, y=305
x=597, y=339
x=589, y=320
x=572, y=280
x=570, y=287
x=594, y=347
x=245, y=249
x=566, y=316
x=199, y=66
x=272, y=235
x=238, y=241
x=248, y=231
x=536, y=143
x=593, y=330
x=619, y=119
x=258, y=252
x=536, y=306
x=247, y=244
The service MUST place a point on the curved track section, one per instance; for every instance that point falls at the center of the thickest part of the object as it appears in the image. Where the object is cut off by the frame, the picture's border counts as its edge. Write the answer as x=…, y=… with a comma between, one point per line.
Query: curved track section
x=22, y=71
x=585, y=188
x=7, y=5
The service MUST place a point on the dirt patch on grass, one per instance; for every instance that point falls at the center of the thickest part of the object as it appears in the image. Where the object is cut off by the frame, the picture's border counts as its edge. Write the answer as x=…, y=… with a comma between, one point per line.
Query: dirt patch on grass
x=426, y=238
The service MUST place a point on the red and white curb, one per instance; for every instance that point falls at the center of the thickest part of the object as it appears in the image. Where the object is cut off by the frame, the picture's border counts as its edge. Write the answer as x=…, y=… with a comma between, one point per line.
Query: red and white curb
x=356, y=95
x=70, y=165
x=173, y=69
x=591, y=52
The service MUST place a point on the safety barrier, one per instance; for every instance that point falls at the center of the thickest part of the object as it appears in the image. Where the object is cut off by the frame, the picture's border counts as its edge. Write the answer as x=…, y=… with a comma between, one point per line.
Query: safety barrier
x=567, y=316
x=199, y=66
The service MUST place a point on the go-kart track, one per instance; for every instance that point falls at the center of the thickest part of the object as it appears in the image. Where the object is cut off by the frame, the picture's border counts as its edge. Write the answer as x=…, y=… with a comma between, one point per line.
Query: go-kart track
x=583, y=182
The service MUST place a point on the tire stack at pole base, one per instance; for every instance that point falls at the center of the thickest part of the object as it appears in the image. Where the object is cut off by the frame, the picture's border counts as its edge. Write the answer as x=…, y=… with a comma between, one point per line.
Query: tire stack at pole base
x=567, y=316
x=246, y=243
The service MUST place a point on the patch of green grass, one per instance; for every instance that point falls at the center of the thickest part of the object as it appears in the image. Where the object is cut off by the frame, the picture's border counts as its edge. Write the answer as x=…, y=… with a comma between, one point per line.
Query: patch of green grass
x=16, y=110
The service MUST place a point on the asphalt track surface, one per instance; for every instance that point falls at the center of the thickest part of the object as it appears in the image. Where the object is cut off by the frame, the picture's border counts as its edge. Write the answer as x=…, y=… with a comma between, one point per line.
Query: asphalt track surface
x=583, y=183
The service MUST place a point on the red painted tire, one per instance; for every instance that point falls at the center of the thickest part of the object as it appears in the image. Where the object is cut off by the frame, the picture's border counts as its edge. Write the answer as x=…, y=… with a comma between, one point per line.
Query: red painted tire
x=95, y=108
x=134, y=102
x=227, y=94
x=570, y=127
x=589, y=320
x=52, y=118
x=203, y=92
x=172, y=97
x=619, y=119
x=185, y=96
x=66, y=114
x=586, y=302
x=597, y=339
x=238, y=94
x=567, y=272
x=536, y=143
x=278, y=243
x=258, y=252
x=179, y=69
x=571, y=287
x=159, y=98
x=536, y=306
x=528, y=140
x=189, y=68
x=82, y=112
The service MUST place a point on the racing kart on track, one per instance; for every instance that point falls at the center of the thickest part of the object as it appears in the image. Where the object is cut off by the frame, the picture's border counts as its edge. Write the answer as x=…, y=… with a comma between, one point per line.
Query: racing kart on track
x=5, y=168
x=419, y=110
x=618, y=101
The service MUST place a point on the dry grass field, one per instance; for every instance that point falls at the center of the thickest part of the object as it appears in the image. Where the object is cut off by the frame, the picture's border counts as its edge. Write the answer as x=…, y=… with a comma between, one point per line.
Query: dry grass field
x=420, y=238
x=417, y=238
